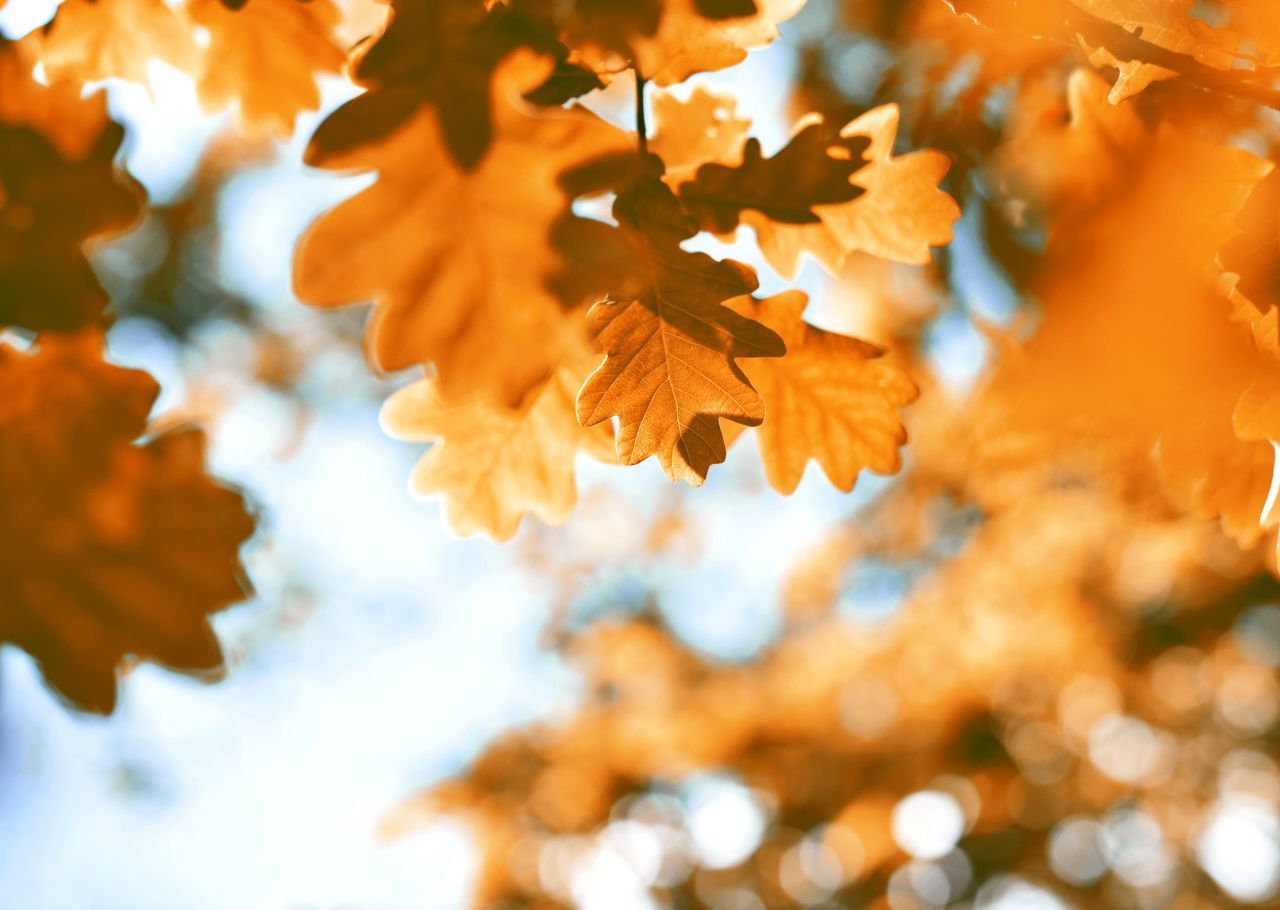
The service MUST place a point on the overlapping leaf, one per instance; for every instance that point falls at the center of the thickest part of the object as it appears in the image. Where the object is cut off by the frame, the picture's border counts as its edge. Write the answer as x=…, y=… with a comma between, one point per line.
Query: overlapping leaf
x=438, y=55
x=832, y=399
x=896, y=210
x=262, y=55
x=265, y=55
x=493, y=463
x=111, y=549
x=58, y=191
x=901, y=215
x=671, y=347
x=1144, y=42
x=456, y=259
x=813, y=169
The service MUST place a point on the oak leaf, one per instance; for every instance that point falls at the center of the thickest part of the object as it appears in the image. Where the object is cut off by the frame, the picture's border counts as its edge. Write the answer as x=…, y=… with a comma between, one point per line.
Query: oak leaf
x=1069, y=155
x=831, y=399
x=812, y=169
x=456, y=259
x=705, y=129
x=112, y=549
x=901, y=214
x=50, y=206
x=686, y=42
x=265, y=55
x=492, y=463
x=440, y=55
x=1144, y=42
x=90, y=40
x=55, y=110
x=725, y=9
x=670, y=370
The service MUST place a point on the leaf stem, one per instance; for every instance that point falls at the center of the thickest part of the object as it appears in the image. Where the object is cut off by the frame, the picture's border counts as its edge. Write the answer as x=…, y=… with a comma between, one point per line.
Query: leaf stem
x=641, y=129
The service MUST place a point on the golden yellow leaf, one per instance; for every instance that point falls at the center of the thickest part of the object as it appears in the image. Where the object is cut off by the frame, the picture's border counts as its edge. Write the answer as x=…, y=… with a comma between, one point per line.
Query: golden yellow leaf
x=670, y=369
x=831, y=399
x=266, y=54
x=457, y=259
x=492, y=463
x=704, y=129
x=900, y=216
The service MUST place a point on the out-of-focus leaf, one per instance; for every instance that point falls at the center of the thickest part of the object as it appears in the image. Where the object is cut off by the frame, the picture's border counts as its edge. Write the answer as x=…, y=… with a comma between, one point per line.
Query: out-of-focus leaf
x=112, y=549
x=266, y=55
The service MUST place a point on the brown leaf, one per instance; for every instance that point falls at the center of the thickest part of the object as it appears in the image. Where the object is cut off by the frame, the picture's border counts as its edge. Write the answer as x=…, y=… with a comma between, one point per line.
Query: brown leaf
x=725, y=9
x=812, y=169
x=831, y=399
x=56, y=111
x=670, y=369
x=50, y=205
x=435, y=54
x=111, y=549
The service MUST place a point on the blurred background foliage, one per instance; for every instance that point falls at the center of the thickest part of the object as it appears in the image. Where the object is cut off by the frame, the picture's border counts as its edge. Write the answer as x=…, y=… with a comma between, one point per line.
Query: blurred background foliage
x=995, y=680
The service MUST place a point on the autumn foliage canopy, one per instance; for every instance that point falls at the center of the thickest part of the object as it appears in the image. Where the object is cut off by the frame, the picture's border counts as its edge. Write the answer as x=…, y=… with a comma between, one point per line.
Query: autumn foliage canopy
x=1082, y=194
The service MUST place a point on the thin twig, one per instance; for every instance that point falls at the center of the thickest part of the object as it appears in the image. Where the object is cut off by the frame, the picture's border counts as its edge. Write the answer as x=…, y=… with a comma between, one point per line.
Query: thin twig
x=641, y=129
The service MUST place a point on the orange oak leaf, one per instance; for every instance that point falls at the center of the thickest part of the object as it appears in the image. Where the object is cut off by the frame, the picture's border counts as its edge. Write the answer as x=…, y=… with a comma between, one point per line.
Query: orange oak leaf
x=89, y=40
x=687, y=42
x=457, y=259
x=112, y=549
x=1144, y=42
x=609, y=25
x=831, y=399
x=266, y=55
x=1170, y=26
x=901, y=214
x=670, y=370
x=493, y=463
